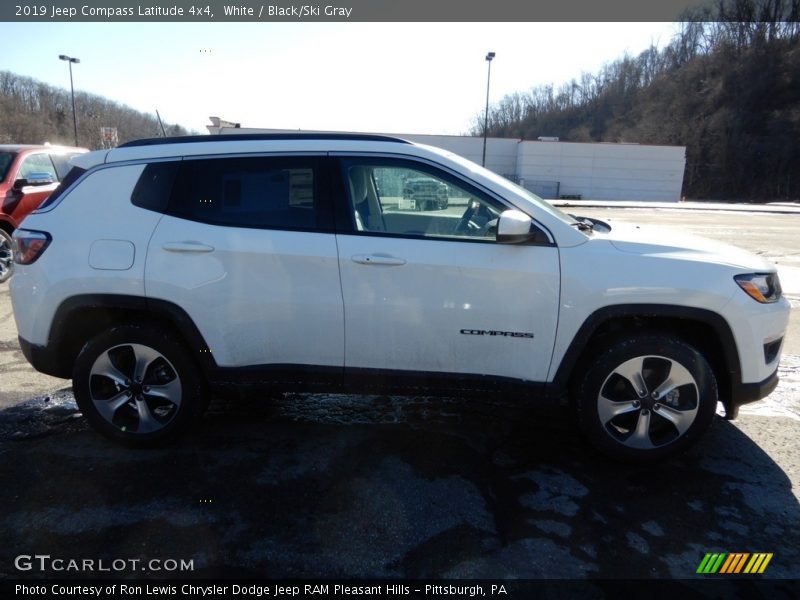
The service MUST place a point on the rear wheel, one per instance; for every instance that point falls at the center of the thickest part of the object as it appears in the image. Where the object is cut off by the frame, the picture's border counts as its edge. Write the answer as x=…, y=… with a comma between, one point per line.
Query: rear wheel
x=647, y=397
x=137, y=384
x=6, y=255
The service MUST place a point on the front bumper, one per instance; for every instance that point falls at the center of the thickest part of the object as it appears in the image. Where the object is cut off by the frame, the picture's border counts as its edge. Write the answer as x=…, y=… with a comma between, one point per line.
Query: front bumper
x=744, y=393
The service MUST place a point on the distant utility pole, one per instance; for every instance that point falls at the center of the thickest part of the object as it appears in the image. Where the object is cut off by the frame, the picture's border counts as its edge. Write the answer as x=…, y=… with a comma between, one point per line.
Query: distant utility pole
x=71, y=60
x=489, y=58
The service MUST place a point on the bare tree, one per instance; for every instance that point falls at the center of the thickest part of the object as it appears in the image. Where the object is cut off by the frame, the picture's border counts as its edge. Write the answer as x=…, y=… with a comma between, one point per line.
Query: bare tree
x=34, y=112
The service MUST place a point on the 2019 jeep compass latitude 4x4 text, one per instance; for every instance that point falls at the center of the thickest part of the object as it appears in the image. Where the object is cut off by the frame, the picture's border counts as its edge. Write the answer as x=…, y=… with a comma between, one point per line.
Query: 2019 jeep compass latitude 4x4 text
x=168, y=269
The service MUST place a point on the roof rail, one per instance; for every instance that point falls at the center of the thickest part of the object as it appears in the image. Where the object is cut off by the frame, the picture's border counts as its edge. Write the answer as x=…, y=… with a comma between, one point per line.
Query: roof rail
x=244, y=137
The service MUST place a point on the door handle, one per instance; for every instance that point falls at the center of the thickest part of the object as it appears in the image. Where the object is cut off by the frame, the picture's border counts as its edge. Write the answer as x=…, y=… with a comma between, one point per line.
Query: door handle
x=378, y=259
x=187, y=247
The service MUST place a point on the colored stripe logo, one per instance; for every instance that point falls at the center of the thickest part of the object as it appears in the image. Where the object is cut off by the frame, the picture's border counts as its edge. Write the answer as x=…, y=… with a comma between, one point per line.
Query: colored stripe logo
x=734, y=563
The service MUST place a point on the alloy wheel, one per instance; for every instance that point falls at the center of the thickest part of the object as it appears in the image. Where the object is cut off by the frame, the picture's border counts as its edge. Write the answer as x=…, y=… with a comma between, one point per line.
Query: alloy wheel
x=648, y=402
x=135, y=388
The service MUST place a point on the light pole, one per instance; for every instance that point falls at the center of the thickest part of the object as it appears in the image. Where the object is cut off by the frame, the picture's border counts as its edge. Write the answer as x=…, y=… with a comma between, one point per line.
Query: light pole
x=71, y=60
x=489, y=58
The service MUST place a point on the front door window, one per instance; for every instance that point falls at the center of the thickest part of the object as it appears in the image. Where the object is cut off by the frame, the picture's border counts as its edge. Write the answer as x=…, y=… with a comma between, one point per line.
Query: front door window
x=396, y=198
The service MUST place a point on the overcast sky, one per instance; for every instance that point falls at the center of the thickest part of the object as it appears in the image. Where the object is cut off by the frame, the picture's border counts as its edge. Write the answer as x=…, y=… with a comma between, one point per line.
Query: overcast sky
x=381, y=77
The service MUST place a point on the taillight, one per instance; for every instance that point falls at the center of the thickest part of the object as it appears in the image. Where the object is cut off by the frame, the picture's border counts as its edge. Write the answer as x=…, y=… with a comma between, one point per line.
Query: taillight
x=29, y=245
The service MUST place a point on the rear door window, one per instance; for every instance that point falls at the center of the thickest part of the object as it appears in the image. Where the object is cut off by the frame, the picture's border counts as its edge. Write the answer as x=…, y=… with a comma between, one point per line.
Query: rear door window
x=256, y=192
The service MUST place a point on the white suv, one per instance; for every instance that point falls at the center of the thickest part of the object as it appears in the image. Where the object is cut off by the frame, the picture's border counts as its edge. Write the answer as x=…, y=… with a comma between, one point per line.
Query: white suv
x=166, y=270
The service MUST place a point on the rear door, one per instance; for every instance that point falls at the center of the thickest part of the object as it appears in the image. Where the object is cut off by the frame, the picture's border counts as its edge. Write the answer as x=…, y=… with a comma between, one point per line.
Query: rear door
x=428, y=290
x=248, y=250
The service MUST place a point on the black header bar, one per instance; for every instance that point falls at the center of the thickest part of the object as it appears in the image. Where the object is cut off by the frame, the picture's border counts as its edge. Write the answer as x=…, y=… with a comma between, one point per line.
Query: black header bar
x=260, y=11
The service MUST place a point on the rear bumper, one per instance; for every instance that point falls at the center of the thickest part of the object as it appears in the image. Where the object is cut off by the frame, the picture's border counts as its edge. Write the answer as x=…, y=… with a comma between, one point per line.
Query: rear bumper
x=44, y=360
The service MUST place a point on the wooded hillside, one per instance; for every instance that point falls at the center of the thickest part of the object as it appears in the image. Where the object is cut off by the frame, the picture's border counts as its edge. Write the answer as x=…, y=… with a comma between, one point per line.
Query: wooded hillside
x=727, y=87
x=32, y=112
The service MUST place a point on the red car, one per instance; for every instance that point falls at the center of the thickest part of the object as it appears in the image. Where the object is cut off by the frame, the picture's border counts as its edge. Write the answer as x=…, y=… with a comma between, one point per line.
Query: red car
x=28, y=175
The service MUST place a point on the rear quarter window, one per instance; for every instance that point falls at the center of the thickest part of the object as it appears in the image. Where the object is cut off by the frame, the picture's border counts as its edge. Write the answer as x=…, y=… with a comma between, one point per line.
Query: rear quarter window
x=154, y=187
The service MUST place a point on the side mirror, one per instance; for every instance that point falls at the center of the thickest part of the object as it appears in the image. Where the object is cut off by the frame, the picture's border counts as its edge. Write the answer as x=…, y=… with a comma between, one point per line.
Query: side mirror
x=514, y=227
x=34, y=179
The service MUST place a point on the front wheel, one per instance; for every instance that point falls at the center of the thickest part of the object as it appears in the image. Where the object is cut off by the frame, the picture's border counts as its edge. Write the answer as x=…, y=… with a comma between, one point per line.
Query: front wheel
x=647, y=397
x=136, y=384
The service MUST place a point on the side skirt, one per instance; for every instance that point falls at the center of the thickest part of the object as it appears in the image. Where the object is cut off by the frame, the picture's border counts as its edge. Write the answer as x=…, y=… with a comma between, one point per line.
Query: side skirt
x=317, y=379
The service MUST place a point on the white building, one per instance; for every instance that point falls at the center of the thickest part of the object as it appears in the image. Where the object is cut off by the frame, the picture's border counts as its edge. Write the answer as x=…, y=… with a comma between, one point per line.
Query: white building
x=555, y=169
x=603, y=171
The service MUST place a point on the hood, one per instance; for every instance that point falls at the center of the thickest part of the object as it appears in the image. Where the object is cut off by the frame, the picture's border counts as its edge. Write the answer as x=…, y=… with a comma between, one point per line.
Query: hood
x=648, y=240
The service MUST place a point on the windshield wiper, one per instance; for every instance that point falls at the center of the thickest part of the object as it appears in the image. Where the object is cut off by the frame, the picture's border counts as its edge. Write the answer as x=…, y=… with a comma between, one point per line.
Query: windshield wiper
x=583, y=224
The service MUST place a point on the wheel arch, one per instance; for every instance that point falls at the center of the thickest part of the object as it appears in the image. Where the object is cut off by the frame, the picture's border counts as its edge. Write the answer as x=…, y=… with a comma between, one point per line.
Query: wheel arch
x=705, y=330
x=80, y=318
x=6, y=225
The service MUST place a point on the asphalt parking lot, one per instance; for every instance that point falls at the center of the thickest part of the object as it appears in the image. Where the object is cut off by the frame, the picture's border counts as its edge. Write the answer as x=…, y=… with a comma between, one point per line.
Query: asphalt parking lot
x=376, y=486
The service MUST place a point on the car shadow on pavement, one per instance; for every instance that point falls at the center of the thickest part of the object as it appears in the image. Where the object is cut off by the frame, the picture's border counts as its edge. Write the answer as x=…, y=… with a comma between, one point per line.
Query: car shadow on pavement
x=373, y=486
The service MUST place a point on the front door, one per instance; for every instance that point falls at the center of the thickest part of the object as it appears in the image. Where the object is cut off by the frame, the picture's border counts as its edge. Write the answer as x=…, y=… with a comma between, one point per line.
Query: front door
x=426, y=287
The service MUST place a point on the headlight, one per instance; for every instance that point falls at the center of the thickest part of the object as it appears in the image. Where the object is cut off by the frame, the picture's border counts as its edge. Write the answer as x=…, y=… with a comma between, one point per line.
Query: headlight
x=761, y=287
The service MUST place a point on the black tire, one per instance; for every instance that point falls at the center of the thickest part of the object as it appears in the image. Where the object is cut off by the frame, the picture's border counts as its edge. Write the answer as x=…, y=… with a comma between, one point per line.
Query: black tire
x=653, y=422
x=170, y=395
x=6, y=256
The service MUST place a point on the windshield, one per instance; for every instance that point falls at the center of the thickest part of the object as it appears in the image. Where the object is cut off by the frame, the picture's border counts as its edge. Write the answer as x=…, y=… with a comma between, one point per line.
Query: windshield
x=517, y=190
x=6, y=158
